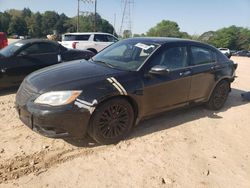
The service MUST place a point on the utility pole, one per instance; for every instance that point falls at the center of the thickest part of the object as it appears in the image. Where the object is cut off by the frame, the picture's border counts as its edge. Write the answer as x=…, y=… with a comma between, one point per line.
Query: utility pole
x=95, y=16
x=126, y=24
x=94, y=22
x=78, y=12
x=114, y=24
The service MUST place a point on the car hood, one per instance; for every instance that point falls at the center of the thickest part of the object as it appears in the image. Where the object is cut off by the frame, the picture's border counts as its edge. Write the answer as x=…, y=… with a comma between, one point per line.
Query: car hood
x=69, y=76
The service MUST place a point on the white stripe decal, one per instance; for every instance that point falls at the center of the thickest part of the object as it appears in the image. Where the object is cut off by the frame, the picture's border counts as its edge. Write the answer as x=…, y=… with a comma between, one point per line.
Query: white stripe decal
x=84, y=104
x=89, y=108
x=120, y=86
x=116, y=86
x=94, y=102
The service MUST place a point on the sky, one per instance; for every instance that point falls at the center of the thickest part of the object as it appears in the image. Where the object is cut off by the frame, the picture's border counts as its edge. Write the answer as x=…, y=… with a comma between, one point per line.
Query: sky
x=192, y=16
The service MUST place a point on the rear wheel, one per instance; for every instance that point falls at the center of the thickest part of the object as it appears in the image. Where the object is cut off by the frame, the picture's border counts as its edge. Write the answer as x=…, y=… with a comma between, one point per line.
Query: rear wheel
x=112, y=121
x=219, y=95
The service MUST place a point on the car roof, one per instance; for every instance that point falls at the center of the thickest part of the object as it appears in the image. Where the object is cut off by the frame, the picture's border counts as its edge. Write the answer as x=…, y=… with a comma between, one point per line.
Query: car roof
x=163, y=40
x=87, y=33
x=169, y=40
x=27, y=41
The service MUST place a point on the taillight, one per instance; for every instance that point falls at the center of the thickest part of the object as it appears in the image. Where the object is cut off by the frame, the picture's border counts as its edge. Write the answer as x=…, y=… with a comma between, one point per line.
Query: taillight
x=74, y=45
x=235, y=65
x=5, y=42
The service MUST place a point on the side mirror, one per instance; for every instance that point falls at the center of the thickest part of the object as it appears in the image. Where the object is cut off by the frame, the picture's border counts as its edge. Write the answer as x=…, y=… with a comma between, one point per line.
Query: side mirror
x=228, y=55
x=160, y=70
x=22, y=54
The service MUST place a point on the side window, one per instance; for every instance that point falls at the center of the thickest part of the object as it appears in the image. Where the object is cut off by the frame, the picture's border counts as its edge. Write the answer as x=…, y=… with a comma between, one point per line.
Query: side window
x=172, y=57
x=72, y=37
x=41, y=48
x=202, y=55
x=82, y=37
x=100, y=38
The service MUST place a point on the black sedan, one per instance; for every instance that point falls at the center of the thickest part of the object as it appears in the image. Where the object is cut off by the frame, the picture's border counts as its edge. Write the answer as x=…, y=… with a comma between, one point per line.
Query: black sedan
x=25, y=56
x=124, y=83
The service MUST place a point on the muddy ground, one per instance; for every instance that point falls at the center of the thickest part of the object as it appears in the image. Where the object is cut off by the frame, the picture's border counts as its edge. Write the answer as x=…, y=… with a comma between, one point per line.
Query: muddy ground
x=192, y=147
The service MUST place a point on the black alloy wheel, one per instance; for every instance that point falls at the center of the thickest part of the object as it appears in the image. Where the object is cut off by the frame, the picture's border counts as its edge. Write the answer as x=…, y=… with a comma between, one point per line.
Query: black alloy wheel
x=112, y=121
x=219, y=95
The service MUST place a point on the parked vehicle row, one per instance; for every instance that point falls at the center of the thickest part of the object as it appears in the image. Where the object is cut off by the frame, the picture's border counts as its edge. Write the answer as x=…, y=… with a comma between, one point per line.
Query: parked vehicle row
x=229, y=53
x=19, y=59
x=243, y=53
x=124, y=83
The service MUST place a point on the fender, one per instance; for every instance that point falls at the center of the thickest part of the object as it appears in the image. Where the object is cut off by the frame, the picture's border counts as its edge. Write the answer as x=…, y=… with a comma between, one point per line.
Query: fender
x=110, y=87
x=219, y=80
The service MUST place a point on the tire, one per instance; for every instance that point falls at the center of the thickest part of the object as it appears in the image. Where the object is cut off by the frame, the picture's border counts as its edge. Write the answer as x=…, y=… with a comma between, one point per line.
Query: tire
x=111, y=121
x=219, y=95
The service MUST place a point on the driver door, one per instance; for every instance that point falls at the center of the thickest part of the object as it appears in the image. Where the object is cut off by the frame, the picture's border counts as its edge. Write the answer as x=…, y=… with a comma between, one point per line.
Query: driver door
x=165, y=91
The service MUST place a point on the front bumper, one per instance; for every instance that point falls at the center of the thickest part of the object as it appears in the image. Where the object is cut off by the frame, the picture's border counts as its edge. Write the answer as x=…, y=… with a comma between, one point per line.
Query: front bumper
x=55, y=122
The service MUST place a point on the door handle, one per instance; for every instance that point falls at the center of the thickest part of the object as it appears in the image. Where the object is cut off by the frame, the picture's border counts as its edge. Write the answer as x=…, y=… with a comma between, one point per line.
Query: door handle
x=215, y=67
x=3, y=70
x=185, y=73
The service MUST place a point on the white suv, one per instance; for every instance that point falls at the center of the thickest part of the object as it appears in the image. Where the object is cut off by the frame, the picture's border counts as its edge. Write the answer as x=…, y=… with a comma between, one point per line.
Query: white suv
x=94, y=42
x=225, y=51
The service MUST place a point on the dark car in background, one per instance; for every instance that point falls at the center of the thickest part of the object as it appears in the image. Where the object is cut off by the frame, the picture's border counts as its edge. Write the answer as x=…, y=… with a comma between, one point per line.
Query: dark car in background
x=25, y=56
x=243, y=53
x=126, y=82
x=3, y=40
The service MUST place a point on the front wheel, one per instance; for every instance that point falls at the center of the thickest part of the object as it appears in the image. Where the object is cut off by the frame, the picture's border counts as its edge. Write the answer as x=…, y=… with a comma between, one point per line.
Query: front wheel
x=219, y=95
x=111, y=121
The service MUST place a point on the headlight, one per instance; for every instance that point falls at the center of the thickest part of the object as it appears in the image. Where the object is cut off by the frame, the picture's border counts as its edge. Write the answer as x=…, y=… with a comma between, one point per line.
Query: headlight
x=57, y=98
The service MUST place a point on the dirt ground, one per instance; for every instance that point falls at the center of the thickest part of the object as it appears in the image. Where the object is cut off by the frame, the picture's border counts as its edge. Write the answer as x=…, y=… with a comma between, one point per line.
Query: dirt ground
x=192, y=147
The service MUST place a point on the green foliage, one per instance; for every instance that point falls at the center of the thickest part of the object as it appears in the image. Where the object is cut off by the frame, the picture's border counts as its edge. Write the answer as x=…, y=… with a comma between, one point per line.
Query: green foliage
x=87, y=24
x=127, y=34
x=4, y=21
x=167, y=28
x=232, y=37
x=38, y=25
x=18, y=25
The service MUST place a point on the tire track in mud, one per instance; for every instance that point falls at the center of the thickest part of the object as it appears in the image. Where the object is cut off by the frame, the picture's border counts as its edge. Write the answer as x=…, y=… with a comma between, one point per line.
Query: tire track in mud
x=39, y=162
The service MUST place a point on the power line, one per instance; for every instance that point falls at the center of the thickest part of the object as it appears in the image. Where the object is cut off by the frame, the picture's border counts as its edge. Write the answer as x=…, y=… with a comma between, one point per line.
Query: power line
x=126, y=23
x=95, y=13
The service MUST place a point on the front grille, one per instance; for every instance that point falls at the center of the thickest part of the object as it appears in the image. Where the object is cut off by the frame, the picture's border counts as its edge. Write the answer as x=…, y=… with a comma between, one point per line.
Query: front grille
x=24, y=93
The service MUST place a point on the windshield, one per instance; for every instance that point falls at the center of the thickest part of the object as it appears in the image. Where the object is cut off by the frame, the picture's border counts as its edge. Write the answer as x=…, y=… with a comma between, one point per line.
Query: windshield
x=11, y=49
x=126, y=54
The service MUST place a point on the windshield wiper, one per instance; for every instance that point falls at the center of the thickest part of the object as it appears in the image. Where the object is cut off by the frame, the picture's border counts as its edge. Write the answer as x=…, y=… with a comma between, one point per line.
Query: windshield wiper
x=103, y=62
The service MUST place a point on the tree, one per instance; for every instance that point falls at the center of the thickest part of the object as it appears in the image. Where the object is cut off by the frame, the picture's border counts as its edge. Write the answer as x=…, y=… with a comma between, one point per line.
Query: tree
x=207, y=36
x=232, y=37
x=127, y=34
x=166, y=28
x=61, y=24
x=26, y=12
x=18, y=26
x=49, y=20
x=87, y=24
x=4, y=21
x=34, y=24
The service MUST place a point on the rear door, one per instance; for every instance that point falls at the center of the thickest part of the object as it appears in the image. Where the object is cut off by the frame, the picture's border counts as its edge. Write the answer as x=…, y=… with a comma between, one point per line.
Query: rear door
x=72, y=40
x=204, y=67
